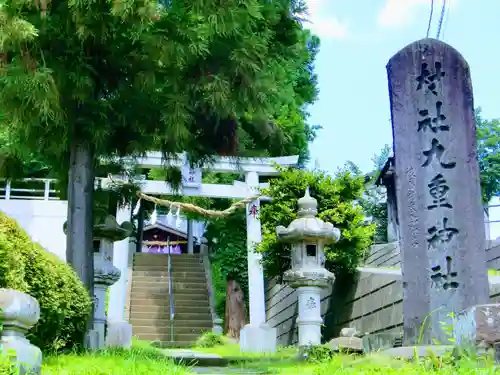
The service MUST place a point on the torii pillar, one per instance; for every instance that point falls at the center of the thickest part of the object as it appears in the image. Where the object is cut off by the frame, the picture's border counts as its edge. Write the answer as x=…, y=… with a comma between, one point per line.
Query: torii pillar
x=257, y=336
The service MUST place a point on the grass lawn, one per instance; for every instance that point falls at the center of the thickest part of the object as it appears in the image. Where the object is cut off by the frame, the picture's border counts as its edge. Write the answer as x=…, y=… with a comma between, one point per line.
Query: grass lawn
x=375, y=364
x=233, y=351
x=284, y=362
x=136, y=361
x=144, y=359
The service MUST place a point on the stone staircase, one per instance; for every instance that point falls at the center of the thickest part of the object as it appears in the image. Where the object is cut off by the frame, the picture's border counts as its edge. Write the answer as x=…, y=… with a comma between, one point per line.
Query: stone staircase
x=150, y=302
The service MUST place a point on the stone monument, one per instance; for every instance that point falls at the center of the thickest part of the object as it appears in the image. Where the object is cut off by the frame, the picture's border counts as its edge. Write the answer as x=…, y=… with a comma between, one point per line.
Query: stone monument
x=437, y=182
x=106, y=274
x=308, y=235
x=18, y=313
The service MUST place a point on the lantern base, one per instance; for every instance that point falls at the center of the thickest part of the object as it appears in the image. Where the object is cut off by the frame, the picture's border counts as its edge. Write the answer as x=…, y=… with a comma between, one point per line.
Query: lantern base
x=119, y=335
x=258, y=339
x=27, y=356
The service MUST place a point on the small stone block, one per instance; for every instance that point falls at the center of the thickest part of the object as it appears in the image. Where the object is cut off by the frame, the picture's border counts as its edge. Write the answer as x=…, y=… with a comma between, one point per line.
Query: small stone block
x=478, y=325
x=119, y=334
x=347, y=344
x=409, y=352
x=377, y=341
x=258, y=339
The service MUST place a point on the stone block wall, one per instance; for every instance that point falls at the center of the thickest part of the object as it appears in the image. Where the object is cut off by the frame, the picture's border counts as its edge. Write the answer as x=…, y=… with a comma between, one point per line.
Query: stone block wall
x=371, y=303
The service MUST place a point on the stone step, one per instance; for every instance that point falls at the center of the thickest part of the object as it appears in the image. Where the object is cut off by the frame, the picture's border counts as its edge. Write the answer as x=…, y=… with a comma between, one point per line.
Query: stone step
x=163, y=286
x=165, y=331
x=179, y=300
x=179, y=304
x=203, y=314
x=186, y=307
x=163, y=293
x=166, y=323
x=182, y=277
x=175, y=344
x=162, y=259
x=165, y=338
x=197, y=268
x=173, y=256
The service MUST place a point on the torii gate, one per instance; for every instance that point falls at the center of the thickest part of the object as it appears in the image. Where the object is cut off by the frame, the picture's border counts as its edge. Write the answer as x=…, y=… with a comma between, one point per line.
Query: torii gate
x=257, y=336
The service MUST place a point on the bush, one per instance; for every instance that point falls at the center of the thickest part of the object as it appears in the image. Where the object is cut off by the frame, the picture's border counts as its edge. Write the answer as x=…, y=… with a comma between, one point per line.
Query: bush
x=317, y=353
x=210, y=340
x=337, y=198
x=64, y=302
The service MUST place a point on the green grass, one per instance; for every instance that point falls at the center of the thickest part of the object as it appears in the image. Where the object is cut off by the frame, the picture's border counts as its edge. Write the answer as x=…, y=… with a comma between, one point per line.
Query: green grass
x=233, y=351
x=140, y=360
x=376, y=364
x=285, y=362
x=144, y=359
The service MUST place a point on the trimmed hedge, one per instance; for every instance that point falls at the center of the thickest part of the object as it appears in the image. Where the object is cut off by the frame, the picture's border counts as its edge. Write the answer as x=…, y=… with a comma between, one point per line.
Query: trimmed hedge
x=64, y=302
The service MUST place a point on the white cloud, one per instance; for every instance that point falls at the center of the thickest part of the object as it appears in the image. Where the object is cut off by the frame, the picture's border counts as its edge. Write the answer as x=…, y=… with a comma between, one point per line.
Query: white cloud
x=323, y=24
x=401, y=13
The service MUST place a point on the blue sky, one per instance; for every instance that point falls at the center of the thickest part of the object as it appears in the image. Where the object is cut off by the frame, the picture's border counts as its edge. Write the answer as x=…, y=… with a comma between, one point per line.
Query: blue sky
x=358, y=37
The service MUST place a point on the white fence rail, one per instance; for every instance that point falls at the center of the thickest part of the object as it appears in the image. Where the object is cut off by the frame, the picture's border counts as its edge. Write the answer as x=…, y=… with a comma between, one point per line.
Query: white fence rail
x=29, y=189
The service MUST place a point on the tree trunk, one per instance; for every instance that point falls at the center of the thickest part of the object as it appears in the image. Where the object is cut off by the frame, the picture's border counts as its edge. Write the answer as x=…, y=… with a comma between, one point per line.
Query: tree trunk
x=79, y=241
x=235, y=318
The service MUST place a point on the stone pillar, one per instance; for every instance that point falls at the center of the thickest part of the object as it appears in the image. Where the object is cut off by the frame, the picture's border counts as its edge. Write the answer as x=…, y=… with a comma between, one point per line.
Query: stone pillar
x=256, y=336
x=437, y=181
x=309, y=319
x=19, y=312
x=119, y=330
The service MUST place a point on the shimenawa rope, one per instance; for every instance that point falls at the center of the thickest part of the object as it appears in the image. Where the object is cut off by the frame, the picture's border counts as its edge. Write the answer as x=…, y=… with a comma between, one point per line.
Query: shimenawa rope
x=191, y=207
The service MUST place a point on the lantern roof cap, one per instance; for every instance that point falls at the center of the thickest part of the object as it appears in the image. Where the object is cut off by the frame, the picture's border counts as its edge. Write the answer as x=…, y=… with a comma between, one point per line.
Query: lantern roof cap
x=308, y=227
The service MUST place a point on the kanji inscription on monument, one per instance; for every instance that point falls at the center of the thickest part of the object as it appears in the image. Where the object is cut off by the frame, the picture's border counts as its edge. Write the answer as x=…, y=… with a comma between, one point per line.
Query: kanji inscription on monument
x=437, y=187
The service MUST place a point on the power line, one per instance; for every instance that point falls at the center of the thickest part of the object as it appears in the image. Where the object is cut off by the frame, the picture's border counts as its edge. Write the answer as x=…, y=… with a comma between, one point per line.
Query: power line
x=441, y=18
x=445, y=23
x=430, y=19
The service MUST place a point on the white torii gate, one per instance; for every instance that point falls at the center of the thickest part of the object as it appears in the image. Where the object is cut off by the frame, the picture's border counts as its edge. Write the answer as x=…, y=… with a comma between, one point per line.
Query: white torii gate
x=257, y=336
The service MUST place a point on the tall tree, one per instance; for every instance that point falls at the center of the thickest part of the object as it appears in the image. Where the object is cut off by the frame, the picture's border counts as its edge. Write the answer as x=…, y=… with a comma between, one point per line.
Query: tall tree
x=84, y=79
x=488, y=149
x=374, y=199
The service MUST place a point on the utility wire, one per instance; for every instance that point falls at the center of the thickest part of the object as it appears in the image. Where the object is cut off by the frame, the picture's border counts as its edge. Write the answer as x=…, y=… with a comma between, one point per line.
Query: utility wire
x=441, y=18
x=445, y=23
x=430, y=19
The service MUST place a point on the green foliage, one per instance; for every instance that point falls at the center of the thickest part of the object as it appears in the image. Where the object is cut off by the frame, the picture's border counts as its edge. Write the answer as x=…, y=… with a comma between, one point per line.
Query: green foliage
x=488, y=147
x=374, y=199
x=219, y=285
x=64, y=302
x=336, y=198
x=8, y=365
x=130, y=77
x=229, y=254
x=317, y=353
x=210, y=340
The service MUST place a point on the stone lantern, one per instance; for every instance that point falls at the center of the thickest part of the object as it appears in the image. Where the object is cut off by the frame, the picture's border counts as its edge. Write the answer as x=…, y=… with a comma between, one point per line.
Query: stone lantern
x=308, y=235
x=107, y=231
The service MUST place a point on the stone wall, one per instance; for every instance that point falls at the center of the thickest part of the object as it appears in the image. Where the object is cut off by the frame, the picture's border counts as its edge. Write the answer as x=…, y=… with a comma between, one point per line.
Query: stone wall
x=371, y=303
